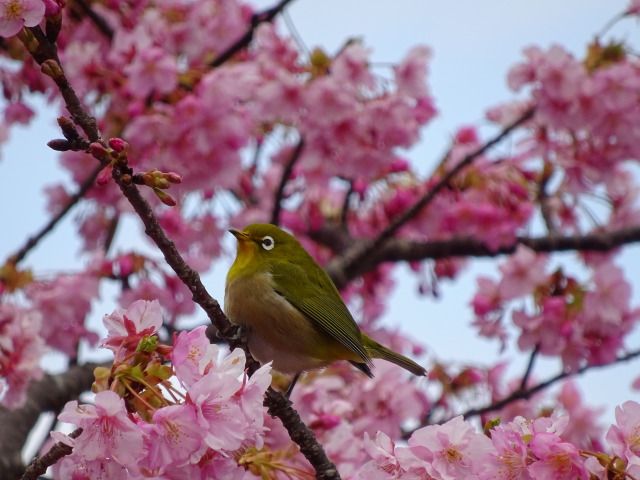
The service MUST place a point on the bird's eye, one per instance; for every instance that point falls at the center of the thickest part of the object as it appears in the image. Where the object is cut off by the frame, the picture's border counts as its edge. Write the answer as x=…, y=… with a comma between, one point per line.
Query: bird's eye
x=268, y=243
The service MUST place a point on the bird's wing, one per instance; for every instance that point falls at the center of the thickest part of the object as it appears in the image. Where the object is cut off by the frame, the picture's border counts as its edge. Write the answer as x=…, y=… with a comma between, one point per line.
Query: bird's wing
x=321, y=303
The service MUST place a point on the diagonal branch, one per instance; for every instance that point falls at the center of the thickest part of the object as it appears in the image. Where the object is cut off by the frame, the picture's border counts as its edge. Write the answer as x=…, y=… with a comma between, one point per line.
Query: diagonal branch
x=100, y=23
x=39, y=465
x=356, y=255
x=524, y=394
x=265, y=16
x=288, y=168
x=313, y=450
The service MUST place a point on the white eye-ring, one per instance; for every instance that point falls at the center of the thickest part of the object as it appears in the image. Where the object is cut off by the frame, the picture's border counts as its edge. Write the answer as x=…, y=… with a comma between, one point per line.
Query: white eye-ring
x=268, y=243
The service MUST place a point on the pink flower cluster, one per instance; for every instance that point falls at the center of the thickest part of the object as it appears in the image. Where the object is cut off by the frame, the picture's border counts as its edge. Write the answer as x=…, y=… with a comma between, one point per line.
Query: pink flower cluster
x=195, y=426
x=580, y=323
x=15, y=14
x=21, y=346
x=519, y=449
x=54, y=318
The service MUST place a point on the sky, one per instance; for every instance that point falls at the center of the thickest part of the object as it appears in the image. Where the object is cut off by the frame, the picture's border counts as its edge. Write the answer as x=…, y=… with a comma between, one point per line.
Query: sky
x=474, y=44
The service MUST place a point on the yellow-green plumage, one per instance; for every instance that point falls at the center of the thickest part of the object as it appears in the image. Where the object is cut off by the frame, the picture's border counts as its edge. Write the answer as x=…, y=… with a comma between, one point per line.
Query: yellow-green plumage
x=292, y=311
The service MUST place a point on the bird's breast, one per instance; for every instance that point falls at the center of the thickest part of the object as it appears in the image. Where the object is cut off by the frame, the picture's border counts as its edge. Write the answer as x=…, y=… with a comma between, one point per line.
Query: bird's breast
x=277, y=331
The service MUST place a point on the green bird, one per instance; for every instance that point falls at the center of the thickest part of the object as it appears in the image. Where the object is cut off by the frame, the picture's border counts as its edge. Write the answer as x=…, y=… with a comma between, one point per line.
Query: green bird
x=292, y=311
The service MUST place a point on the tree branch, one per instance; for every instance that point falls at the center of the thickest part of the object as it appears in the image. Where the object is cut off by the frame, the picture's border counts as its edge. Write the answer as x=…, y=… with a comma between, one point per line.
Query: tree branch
x=399, y=249
x=97, y=20
x=49, y=394
x=529, y=369
x=265, y=16
x=358, y=253
x=524, y=394
x=122, y=176
x=286, y=173
x=279, y=406
x=39, y=465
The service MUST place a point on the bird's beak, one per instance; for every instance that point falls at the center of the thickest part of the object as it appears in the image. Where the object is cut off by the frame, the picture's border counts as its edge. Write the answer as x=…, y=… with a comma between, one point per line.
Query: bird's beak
x=240, y=235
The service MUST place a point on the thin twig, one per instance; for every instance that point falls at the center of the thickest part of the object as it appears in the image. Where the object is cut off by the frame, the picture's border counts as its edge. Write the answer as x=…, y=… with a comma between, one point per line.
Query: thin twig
x=46, y=229
x=521, y=394
x=39, y=465
x=529, y=369
x=286, y=173
x=265, y=16
x=97, y=20
x=344, y=215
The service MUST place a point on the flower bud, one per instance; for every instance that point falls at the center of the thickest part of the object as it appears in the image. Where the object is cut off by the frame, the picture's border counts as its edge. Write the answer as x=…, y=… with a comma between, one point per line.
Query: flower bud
x=98, y=151
x=105, y=175
x=59, y=145
x=173, y=177
x=52, y=69
x=165, y=198
x=118, y=144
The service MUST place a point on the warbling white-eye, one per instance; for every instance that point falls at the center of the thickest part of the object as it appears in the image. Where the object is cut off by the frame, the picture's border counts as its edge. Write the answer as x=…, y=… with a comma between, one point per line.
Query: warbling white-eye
x=291, y=310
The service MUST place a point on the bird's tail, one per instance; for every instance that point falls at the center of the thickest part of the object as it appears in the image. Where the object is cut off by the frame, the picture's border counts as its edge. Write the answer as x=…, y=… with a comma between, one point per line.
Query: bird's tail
x=376, y=350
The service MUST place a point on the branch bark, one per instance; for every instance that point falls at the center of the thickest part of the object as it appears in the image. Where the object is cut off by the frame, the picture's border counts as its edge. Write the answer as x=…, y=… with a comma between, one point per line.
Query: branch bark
x=265, y=16
x=524, y=394
x=49, y=394
x=399, y=249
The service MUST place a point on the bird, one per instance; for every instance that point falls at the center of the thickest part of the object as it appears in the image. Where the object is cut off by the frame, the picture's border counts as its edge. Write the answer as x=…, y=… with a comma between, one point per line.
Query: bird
x=292, y=311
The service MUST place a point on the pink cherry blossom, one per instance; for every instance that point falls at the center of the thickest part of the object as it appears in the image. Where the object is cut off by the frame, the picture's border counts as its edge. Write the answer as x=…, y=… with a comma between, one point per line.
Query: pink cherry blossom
x=510, y=460
x=556, y=460
x=151, y=71
x=107, y=430
x=127, y=327
x=21, y=347
x=192, y=353
x=584, y=429
x=220, y=417
x=522, y=273
x=449, y=451
x=624, y=437
x=175, y=437
x=410, y=74
x=67, y=303
x=15, y=14
x=75, y=467
x=351, y=66
x=383, y=464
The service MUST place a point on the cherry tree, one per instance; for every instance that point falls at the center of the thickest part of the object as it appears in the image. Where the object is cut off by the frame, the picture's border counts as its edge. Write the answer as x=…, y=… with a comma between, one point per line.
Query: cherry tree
x=187, y=118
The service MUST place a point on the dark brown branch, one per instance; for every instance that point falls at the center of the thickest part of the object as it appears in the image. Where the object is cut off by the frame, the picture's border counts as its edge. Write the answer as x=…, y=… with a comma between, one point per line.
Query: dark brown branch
x=49, y=394
x=356, y=255
x=280, y=407
x=265, y=16
x=46, y=229
x=39, y=465
x=525, y=394
x=97, y=20
x=286, y=173
x=399, y=249
x=48, y=52
x=529, y=369
x=121, y=174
